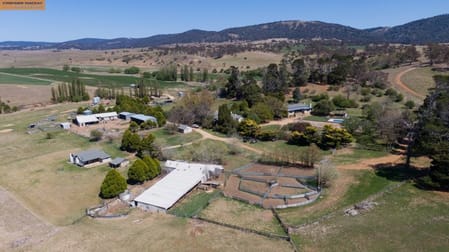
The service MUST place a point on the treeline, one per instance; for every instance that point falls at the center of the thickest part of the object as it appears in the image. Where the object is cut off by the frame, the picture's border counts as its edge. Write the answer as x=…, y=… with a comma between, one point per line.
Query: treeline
x=109, y=92
x=431, y=135
x=73, y=92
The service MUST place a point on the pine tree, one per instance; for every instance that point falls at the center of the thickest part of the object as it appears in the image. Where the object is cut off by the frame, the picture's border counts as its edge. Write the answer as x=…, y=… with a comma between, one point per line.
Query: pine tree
x=191, y=74
x=113, y=184
x=136, y=173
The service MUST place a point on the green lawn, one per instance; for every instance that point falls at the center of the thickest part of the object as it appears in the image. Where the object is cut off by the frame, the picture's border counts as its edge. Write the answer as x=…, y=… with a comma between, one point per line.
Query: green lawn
x=271, y=127
x=88, y=79
x=193, y=204
x=367, y=183
x=356, y=156
x=408, y=219
x=164, y=138
x=420, y=79
x=316, y=118
x=9, y=79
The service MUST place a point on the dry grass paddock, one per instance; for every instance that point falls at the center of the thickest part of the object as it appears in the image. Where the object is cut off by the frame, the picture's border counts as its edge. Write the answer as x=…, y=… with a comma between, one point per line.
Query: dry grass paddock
x=100, y=61
x=239, y=214
x=53, y=196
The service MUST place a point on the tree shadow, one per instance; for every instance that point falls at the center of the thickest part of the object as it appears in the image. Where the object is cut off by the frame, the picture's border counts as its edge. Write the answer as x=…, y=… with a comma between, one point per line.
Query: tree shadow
x=398, y=172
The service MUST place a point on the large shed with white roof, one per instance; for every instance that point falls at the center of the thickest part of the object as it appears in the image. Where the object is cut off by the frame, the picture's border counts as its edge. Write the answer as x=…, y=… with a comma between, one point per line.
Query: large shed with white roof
x=182, y=178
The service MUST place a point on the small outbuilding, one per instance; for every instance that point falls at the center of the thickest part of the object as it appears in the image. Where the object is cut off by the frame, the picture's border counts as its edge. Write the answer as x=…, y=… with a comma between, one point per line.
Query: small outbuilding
x=65, y=125
x=89, y=158
x=118, y=162
x=182, y=128
x=96, y=100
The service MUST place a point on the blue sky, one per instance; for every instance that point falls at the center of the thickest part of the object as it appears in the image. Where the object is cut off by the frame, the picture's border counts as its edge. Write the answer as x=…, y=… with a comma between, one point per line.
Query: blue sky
x=65, y=20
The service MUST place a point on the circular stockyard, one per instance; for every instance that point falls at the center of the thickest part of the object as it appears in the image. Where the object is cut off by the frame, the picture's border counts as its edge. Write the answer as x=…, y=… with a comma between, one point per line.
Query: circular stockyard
x=271, y=186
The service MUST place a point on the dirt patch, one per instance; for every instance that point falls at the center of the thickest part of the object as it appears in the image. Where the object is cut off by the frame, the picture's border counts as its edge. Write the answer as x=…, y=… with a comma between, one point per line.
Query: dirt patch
x=370, y=163
x=6, y=130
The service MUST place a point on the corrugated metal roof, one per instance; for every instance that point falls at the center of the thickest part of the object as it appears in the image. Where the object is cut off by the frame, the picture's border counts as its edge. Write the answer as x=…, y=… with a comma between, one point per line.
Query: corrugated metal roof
x=107, y=114
x=183, y=127
x=298, y=106
x=86, y=118
x=117, y=161
x=144, y=118
x=166, y=192
x=89, y=155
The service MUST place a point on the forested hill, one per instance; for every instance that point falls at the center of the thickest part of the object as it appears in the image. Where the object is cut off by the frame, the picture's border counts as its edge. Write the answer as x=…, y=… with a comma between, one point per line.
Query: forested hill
x=434, y=29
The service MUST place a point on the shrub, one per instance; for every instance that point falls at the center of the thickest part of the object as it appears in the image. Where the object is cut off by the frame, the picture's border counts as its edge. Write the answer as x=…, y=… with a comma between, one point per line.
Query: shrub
x=132, y=70
x=323, y=108
x=299, y=126
x=268, y=135
x=113, y=184
x=137, y=172
x=409, y=104
x=96, y=135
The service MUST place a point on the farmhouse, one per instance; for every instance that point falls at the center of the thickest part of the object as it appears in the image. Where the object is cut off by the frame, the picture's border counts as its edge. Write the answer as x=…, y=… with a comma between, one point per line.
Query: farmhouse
x=293, y=109
x=180, y=180
x=89, y=158
x=182, y=128
x=139, y=118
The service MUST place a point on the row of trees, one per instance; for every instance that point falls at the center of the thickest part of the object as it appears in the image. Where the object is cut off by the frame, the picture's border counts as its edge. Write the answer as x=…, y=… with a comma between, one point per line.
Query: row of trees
x=328, y=138
x=431, y=134
x=141, y=170
x=73, y=92
x=134, y=143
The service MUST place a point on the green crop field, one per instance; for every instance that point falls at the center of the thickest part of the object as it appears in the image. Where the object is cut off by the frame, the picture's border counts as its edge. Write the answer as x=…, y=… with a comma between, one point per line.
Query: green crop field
x=88, y=79
x=23, y=80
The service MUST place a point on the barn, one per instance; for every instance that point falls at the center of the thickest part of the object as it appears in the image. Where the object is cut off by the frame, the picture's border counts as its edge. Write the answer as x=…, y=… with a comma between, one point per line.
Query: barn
x=84, y=120
x=140, y=118
x=182, y=178
x=125, y=115
x=106, y=116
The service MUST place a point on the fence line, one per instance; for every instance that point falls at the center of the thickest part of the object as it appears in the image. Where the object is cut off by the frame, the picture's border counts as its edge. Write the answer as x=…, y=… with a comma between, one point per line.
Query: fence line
x=247, y=230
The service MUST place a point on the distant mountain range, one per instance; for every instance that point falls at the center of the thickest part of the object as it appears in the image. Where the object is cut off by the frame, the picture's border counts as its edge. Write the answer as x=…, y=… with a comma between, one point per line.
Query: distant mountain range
x=434, y=29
